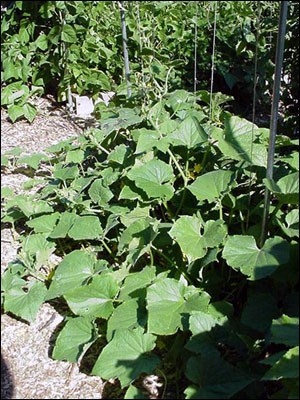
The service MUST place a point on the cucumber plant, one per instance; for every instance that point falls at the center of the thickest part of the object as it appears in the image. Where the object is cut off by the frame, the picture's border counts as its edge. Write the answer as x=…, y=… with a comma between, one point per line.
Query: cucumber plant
x=156, y=215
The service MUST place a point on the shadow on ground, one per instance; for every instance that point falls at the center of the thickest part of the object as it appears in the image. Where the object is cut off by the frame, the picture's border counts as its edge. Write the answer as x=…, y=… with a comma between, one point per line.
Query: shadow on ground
x=7, y=386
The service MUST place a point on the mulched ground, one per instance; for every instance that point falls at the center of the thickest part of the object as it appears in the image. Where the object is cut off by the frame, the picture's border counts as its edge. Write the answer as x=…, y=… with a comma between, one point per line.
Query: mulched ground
x=27, y=371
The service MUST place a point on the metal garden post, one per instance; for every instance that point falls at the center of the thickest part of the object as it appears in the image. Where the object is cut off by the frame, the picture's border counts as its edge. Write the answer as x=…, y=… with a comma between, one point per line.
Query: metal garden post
x=274, y=112
x=125, y=51
x=69, y=93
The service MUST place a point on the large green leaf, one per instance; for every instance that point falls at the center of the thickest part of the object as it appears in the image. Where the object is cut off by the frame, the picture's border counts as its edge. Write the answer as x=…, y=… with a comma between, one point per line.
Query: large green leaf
x=259, y=304
x=29, y=111
x=87, y=227
x=124, y=118
x=240, y=142
x=135, y=393
x=66, y=173
x=40, y=247
x=15, y=112
x=137, y=238
x=119, y=154
x=25, y=304
x=137, y=280
x=32, y=207
x=4, y=161
x=131, y=192
x=187, y=232
x=126, y=316
x=99, y=193
x=167, y=302
x=292, y=159
x=66, y=221
x=135, y=215
x=285, y=330
x=126, y=356
x=153, y=178
x=150, y=139
x=33, y=160
x=291, y=225
x=75, y=156
x=12, y=277
x=286, y=367
x=94, y=300
x=59, y=147
x=42, y=41
x=43, y=224
x=68, y=34
x=178, y=100
x=214, y=232
x=70, y=341
x=286, y=189
x=212, y=186
x=206, y=329
x=217, y=379
x=242, y=253
x=189, y=134
x=74, y=269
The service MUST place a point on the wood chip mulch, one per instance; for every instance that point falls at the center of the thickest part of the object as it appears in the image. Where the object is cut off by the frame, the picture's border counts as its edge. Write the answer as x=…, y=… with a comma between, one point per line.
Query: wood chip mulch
x=27, y=370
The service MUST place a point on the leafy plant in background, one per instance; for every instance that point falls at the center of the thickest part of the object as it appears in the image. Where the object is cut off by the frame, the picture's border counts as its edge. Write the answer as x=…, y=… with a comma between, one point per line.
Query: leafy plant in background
x=55, y=44
x=157, y=216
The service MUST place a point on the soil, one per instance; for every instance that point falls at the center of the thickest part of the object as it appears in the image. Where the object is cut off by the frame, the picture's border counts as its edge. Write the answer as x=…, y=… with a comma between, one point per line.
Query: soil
x=27, y=370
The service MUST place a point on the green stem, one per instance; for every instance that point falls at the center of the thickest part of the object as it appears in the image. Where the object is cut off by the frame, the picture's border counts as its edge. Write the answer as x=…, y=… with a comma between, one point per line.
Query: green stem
x=109, y=250
x=103, y=149
x=166, y=382
x=168, y=209
x=151, y=257
x=185, y=180
x=81, y=168
x=61, y=247
x=221, y=209
x=205, y=157
x=173, y=265
x=181, y=202
x=237, y=287
x=277, y=208
x=37, y=275
x=242, y=223
x=172, y=156
x=94, y=210
x=162, y=212
x=185, y=184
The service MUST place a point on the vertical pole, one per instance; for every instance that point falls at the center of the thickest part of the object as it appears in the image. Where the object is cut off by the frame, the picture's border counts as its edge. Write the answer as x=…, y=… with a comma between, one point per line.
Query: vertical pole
x=274, y=112
x=213, y=63
x=125, y=51
x=195, y=50
x=65, y=55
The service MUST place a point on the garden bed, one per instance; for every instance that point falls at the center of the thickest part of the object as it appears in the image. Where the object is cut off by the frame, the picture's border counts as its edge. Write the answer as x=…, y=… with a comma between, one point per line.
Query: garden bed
x=27, y=370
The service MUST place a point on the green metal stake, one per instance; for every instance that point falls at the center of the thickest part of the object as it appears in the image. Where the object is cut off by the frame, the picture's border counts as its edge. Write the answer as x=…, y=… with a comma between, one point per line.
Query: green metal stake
x=125, y=51
x=274, y=113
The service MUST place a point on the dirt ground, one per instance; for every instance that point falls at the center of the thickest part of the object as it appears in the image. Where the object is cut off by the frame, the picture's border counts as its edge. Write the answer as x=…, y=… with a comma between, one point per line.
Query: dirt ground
x=27, y=371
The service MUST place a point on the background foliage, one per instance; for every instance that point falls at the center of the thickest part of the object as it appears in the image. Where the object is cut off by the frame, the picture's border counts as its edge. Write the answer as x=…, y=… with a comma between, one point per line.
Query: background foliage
x=46, y=54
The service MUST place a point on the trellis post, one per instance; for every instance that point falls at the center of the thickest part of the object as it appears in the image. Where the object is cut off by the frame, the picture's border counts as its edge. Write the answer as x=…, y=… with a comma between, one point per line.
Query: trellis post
x=274, y=113
x=69, y=93
x=125, y=51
